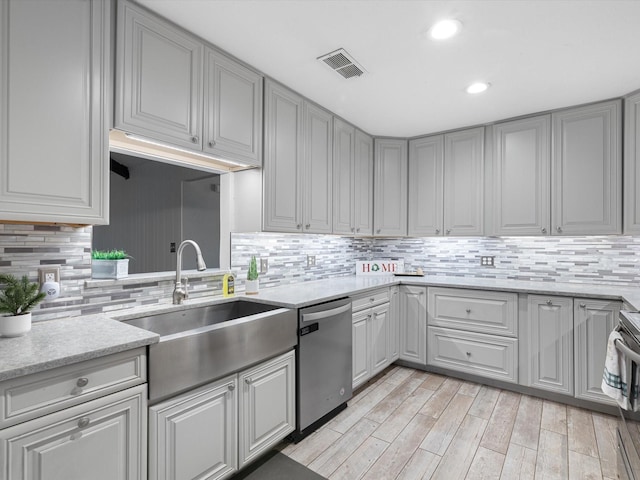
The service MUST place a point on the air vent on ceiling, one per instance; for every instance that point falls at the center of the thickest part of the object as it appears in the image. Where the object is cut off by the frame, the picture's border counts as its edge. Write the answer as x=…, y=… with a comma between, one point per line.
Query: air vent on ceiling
x=341, y=62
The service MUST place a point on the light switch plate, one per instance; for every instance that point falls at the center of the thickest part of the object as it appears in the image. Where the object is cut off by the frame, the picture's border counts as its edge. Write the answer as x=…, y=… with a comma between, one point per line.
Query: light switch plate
x=311, y=260
x=487, y=261
x=264, y=265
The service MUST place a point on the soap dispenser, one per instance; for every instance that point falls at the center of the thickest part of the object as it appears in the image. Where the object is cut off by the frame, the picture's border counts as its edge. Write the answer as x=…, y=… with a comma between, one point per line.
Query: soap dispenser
x=228, y=285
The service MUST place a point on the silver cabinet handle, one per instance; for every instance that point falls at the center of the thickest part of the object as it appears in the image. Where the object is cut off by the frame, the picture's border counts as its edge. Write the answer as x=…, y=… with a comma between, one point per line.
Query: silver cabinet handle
x=378, y=230
x=421, y=292
x=437, y=230
x=372, y=299
x=559, y=229
x=248, y=381
x=583, y=305
x=549, y=302
x=543, y=230
x=307, y=226
x=212, y=143
x=358, y=230
x=231, y=387
x=82, y=382
x=468, y=310
x=194, y=139
x=448, y=231
x=468, y=354
x=83, y=422
x=299, y=226
x=353, y=230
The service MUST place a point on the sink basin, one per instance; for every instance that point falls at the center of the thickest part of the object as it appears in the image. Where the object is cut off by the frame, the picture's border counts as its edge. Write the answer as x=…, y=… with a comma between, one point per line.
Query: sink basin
x=201, y=344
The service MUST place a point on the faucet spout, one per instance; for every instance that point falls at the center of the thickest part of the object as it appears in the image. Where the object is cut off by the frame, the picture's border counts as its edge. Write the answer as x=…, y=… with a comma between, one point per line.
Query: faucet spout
x=180, y=291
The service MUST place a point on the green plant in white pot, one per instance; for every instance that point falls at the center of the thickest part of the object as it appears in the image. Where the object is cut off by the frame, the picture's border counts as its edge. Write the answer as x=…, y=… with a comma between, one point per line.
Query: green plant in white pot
x=252, y=286
x=16, y=301
x=109, y=264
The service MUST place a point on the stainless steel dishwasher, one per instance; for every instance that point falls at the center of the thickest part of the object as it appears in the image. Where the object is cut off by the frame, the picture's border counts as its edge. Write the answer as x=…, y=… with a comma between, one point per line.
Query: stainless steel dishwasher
x=324, y=375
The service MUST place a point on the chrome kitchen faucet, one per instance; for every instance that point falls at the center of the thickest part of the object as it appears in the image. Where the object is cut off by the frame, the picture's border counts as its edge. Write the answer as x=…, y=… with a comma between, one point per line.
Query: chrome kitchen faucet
x=180, y=291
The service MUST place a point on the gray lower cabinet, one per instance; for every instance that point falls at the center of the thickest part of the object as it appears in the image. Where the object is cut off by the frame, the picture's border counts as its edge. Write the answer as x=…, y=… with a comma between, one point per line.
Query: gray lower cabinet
x=473, y=331
x=521, y=177
x=593, y=321
x=214, y=430
x=54, y=120
x=546, y=347
x=413, y=324
x=298, y=165
x=587, y=170
x=632, y=164
x=426, y=177
x=390, y=187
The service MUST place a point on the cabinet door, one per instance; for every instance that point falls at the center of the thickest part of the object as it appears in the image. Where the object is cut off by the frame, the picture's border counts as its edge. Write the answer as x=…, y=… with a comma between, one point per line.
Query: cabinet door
x=159, y=81
x=267, y=406
x=593, y=322
x=379, y=338
x=549, y=334
x=283, y=149
x=394, y=324
x=195, y=434
x=464, y=182
x=344, y=137
x=426, y=159
x=54, y=119
x=360, y=347
x=317, y=170
x=587, y=174
x=363, y=184
x=233, y=110
x=413, y=324
x=522, y=193
x=632, y=165
x=390, y=204
x=104, y=439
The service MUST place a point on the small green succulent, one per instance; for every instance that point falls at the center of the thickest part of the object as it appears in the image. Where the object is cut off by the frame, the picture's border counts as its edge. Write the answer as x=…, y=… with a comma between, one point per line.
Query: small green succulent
x=252, y=274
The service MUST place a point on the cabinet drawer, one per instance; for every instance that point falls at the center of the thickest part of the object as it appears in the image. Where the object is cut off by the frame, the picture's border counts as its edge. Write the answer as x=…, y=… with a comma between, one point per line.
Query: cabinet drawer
x=474, y=310
x=485, y=355
x=370, y=299
x=32, y=396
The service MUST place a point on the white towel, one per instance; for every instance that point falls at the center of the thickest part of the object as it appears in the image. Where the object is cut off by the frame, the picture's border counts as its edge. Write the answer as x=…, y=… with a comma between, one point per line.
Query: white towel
x=620, y=377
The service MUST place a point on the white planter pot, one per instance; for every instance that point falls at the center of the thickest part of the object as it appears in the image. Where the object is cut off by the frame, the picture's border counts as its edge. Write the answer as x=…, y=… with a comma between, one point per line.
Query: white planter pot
x=110, y=268
x=15, y=325
x=251, y=287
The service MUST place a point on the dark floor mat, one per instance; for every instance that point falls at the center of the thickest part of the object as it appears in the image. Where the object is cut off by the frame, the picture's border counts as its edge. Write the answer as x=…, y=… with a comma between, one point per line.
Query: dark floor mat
x=276, y=466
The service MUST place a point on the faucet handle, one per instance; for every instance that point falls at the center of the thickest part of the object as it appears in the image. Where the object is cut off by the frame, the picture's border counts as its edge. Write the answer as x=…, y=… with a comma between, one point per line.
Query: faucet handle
x=185, y=286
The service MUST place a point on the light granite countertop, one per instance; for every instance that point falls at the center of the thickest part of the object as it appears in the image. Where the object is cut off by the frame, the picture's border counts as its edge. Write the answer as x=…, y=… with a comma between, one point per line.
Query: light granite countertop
x=55, y=343
x=61, y=342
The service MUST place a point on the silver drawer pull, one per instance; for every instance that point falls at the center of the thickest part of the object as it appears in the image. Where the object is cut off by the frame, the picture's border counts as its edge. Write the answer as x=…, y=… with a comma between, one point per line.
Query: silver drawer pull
x=372, y=299
x=549, y=302
x=212, y=143
x=194, y=139
x=448, y=231
x=468, y=354
x=543, y=230
x=248, y=381
x=583, y=305
x=468, y=310
x=437, y=230
x=231, y=387
x=82, y=382
x=83, y=422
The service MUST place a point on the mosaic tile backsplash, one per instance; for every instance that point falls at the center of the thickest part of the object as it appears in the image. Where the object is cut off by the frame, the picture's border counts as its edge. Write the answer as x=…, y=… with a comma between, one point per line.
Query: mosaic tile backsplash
x=611, y=260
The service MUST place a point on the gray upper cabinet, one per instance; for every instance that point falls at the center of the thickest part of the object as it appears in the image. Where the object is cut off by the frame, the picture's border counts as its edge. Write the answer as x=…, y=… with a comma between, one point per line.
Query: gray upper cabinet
x=363, y=184
x=426, y=163
x=298, y=163
x=317, y=170
x=522, y=181
x=55, y=97
x=586, y=170
x=352, y=180
x=159, y=82
x=233, y=110
x=174, y=88
x=344, y=140
x=464, y=182
x=632, y=164
x=283, y=147
x=390, y=191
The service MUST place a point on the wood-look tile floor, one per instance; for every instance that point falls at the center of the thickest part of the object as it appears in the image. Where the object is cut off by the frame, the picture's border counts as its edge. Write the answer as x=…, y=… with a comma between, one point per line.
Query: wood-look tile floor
x=410, y=425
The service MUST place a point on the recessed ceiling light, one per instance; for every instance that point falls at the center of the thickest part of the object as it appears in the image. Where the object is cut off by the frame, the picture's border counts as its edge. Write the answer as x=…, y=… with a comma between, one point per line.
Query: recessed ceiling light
x=445, y=29
x=477, y=87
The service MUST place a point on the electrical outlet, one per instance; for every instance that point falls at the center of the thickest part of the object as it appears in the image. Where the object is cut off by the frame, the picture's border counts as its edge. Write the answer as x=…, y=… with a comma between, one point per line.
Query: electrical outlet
x=487, y=261
x=311, y=260
x=49, y=274
x=264, y=265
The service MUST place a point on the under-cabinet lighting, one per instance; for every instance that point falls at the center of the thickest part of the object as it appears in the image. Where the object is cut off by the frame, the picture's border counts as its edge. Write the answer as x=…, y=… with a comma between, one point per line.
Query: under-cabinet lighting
x=445, y=29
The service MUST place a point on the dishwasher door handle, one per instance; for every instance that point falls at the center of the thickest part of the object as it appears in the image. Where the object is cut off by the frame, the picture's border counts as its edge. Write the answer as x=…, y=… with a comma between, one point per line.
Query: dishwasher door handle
x=314, y=317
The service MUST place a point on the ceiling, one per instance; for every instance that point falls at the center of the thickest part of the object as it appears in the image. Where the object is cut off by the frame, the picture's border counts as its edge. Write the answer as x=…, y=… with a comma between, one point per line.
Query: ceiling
x=537, y=55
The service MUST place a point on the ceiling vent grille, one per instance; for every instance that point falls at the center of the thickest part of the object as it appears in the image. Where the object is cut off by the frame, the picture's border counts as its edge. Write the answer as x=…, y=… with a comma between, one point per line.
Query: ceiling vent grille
x=341, y=62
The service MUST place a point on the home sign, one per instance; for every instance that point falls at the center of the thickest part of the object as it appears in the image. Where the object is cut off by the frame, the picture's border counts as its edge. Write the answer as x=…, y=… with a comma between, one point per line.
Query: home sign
x=379, y=267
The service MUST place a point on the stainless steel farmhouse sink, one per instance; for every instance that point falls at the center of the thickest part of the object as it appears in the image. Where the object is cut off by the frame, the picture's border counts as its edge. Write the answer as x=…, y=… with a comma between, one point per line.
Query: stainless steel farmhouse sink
x=201, y=344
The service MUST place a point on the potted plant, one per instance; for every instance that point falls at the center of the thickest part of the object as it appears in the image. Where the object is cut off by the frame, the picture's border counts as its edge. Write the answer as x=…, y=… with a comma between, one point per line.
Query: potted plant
x=109, y=264
x=252, y=286
x=17, y=300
